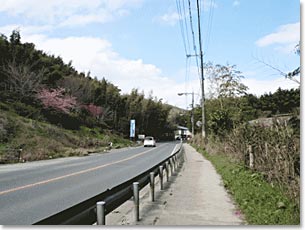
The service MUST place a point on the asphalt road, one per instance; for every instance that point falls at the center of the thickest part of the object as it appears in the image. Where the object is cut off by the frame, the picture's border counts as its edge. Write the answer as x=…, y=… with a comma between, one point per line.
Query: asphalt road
x=30, y=192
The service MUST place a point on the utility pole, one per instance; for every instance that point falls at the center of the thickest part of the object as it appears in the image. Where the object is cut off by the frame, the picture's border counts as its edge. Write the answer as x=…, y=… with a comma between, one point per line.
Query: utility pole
x=202, y=74
x=192, y=112
x=192, y=117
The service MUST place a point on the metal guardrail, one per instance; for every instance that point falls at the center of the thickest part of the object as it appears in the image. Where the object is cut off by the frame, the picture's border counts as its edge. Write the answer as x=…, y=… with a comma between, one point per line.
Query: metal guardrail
x=96, y=208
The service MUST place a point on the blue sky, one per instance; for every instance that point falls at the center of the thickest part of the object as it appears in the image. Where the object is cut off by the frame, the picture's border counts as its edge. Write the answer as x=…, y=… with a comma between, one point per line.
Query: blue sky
x=138, y=43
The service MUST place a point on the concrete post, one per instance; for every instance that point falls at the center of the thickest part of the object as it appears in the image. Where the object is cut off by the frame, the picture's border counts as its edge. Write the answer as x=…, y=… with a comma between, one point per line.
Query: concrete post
x=251, y=157
x=136, y=200
x=171, y=165
x=152, y=186
x=161, y=176
x=100, y=213
x=178, y=159
x=266, y=149
x=167, y=171
x=175, y=163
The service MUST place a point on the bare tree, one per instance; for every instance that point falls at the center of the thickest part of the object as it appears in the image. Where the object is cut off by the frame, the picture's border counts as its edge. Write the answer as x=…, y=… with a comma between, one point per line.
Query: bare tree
x=22, y=80
x=291, y=75
x=297, y=71
x=225, y=81
x=80, y=88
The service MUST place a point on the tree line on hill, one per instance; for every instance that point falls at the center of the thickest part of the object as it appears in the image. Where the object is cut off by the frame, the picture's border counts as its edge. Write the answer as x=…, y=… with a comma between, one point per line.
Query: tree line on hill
x=229, y=104
x=41, y=86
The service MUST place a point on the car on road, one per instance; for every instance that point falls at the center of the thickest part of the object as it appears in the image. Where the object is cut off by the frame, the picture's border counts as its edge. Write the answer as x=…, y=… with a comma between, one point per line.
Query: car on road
x=149, y=141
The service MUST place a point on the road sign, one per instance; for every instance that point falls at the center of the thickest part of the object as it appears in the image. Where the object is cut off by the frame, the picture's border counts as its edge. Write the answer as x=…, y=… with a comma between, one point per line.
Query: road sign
x=199, y=123
x=132, y=128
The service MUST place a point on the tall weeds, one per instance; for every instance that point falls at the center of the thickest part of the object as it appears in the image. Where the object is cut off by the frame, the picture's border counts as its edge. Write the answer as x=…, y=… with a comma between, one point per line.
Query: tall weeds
x=275, y=151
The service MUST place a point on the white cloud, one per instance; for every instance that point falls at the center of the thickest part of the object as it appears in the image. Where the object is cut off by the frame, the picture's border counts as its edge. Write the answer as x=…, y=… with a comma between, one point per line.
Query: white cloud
x=260, y=87
x=25, y=30
x=81, y=20
x=168, y=18
x=285, y=37
x=207, y=4
x=97, y=56
x=171, y=18
x=236, y=3
x=64, y=11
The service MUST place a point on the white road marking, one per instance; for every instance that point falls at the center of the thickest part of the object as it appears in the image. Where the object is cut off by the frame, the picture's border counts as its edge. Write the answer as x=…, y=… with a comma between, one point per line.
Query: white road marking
x=75, y=173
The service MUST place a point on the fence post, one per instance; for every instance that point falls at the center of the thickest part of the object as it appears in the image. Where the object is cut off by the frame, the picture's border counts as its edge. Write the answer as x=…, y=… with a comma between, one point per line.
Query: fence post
x=161, y=176
x=266, y=149
x=251, y=157
x=100, y=213
x=152, y=186
x=136, y=201
x=19, y=154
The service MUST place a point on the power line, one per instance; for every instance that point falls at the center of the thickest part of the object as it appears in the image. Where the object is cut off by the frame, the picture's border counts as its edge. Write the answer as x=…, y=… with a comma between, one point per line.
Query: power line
x=181, y=25
x=193, y=35
x=186, y=26
x=210, y=23
x=185, y=37
x=186, y=77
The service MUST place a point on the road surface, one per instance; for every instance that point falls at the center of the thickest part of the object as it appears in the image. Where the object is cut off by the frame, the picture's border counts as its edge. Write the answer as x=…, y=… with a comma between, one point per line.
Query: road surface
x=30, y=192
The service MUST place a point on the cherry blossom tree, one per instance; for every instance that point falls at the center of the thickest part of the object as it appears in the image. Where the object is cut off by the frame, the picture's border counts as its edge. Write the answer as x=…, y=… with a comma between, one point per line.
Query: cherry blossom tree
x=94, y=110
x=56, y=99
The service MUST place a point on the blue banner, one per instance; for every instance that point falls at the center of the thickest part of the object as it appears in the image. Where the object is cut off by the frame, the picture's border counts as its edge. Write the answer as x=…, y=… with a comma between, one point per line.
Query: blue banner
x=132, y=128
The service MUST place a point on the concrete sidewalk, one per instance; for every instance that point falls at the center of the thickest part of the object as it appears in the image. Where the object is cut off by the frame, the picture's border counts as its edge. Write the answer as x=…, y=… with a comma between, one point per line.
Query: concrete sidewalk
x=193, y=196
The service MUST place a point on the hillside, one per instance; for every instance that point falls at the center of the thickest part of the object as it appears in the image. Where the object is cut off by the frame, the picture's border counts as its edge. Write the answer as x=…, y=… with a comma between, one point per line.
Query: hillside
x=43, y=98
x=23, y=139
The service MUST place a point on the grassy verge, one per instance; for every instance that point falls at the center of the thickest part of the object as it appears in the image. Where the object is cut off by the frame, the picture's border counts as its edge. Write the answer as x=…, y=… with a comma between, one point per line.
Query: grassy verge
x=40, y=140
x=260, y=202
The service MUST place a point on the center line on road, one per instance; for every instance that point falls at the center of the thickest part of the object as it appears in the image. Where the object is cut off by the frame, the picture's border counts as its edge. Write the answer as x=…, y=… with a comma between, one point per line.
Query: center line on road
x=72, y=174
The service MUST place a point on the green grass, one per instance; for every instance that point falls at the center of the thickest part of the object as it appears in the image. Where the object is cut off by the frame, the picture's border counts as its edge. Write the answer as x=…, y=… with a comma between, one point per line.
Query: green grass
x=260, y=202
x=41, y=140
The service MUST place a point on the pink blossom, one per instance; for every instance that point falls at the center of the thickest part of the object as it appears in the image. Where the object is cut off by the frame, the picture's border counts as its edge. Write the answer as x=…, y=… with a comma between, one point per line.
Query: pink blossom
x=56, y=99
x=94, y=110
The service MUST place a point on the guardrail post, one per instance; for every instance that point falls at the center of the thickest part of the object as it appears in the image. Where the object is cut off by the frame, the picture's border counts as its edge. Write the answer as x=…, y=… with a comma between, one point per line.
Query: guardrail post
x=167, y=171
x=136, y=200
x=183, y=156
x=171, y=165
x=100, y=213
x=152, y=186
x=174, y=163
x=161, y=176
x=180, y=158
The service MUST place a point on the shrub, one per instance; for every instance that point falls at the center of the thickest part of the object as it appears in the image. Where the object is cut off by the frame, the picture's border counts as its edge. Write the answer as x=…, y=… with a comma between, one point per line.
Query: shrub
x=7, y=128
x=275, y=149
x=260, y=202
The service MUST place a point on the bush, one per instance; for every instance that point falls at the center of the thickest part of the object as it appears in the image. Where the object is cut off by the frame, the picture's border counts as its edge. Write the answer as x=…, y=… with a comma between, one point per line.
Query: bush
x=275, y=149
x=25, y=110
x=7, y=128
x=260, y=202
